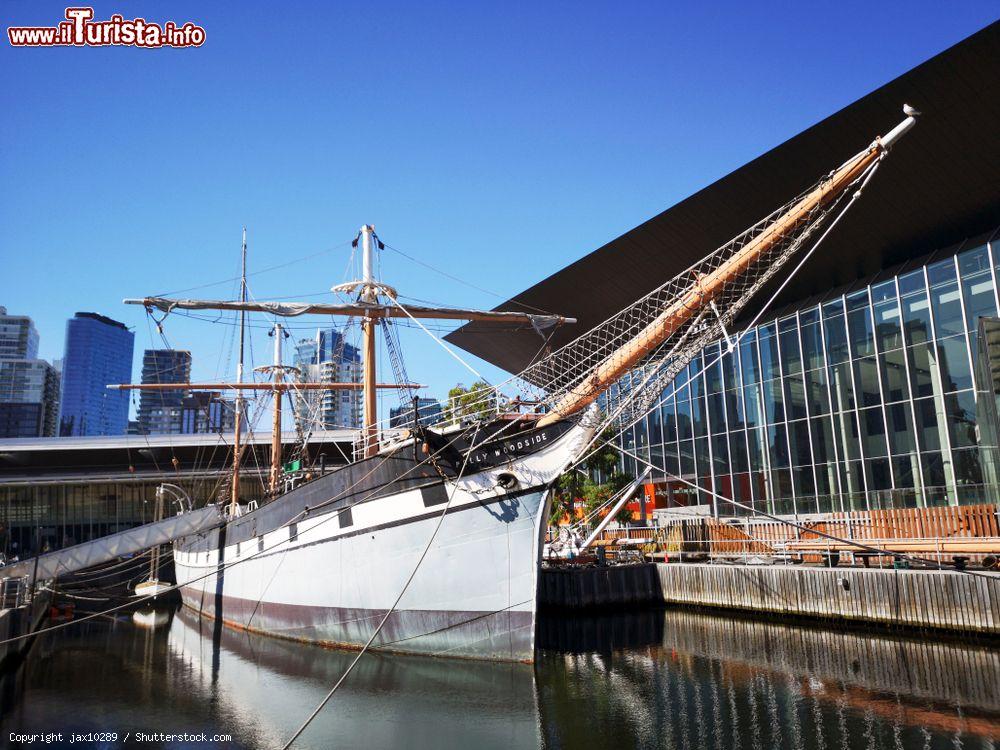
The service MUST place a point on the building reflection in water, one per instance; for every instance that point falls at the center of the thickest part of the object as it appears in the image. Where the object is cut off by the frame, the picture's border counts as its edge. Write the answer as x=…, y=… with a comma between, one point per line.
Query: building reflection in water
x=652, y=679
x=705, y=681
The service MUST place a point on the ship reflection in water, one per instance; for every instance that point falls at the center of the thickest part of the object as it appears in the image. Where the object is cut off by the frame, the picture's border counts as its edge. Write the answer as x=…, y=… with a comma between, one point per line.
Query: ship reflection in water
x=656, y=679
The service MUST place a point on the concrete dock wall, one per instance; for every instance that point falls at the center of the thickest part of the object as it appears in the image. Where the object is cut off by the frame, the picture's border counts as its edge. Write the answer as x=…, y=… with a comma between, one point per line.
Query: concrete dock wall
x=949, y=600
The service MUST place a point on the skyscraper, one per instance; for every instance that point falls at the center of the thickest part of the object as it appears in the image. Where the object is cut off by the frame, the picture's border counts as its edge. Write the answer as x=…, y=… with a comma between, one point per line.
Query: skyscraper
x=98, y=353
x=429, y=409
x=161, y=412
x=328, y=358
x=205, y=412
x=29, y=387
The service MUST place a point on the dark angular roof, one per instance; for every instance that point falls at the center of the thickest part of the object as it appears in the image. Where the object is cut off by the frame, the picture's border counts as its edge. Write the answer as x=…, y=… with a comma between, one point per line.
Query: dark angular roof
x=941, y=184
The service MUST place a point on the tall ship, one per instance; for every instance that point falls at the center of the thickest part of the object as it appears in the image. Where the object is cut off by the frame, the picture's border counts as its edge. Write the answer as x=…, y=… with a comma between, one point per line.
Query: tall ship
x=429, y=539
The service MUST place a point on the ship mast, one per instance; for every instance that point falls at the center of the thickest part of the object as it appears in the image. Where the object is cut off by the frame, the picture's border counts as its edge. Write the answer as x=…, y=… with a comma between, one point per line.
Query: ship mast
x=237, y=448
x=278, y=376
x=369, y=295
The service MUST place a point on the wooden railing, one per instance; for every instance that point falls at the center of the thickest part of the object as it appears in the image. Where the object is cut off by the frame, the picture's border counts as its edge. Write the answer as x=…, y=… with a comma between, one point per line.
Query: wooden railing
x=881, y=528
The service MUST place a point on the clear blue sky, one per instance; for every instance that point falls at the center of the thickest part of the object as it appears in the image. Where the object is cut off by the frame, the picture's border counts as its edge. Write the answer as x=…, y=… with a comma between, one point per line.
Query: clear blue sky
x=498, y=141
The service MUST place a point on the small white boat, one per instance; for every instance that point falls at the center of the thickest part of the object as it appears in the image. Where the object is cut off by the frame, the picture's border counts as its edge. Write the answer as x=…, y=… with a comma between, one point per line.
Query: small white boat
x=152, y=587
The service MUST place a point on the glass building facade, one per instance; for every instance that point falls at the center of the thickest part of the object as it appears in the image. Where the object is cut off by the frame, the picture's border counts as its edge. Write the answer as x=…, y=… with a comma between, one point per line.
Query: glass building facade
x=98, y=353
x=863, y=400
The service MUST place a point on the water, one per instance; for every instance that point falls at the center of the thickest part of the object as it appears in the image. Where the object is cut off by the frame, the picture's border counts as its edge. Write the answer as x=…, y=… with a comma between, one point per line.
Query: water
x=656, y=679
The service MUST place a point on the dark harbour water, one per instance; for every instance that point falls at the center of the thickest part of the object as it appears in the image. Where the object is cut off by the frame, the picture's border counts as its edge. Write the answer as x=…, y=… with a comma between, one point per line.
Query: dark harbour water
x=655, y=679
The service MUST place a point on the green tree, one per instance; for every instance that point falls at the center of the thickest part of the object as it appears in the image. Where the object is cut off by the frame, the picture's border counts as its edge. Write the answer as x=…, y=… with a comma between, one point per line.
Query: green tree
x=478, y=400
x=599, y=479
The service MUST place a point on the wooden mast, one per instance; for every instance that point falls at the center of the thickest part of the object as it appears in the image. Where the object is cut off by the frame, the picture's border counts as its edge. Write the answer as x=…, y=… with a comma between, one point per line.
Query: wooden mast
x=238, y=422
x=706, y=288
x=369, y=294
x=277, y=376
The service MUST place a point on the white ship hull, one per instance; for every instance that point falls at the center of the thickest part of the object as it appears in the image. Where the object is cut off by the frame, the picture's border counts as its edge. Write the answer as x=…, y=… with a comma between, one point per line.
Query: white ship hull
x=330, y=577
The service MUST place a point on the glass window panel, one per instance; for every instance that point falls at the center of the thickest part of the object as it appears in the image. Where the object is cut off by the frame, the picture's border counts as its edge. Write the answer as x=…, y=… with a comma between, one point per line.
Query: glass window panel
x=907, y=470
x=720, y=455
x=791, y=358
x=894, y=382
x=798, y=437
x=933, y=469
x=655, y=427
x=730, y=376
x=822, y=439
x=795, y=397
x=866, y=381
x=699, y=418
x=879, y=477
x=916, y=318
x=928, y=427
x=961, y=410
x=751, y=397
x=686, y=449
x=696, y=376
x=738, y=451
x=953, y=360
x=805, y=489
x=967, y=467
x=684, y=428
x=911, y=282
x=833, y=308
x=812, y=346
x=859, y=324
x=826, y=479
x=713, y=370
x=842, y=387
x=734, y=409
x=836, y=339
x=873, y=431
x=921, y=379
x=781, y=486
x=845, y=430
x=818, y=397
x=979, y=299
x=701, y=456
x=755, y=450
x=769, y=365
x=773, y=403
x=888, y=332
x=940, y=273
x=851, y=481
x=945, y=299
x=717, y=412
x=669, y=412
x=671, y=462
x=807, y=317
x=976, y=260
x=901, y=435
x=884, y=291
x=749, y=366
x=777, y=445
